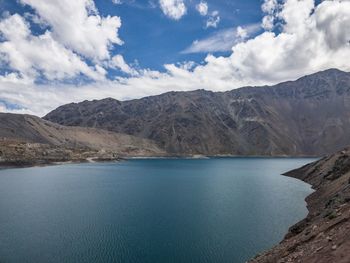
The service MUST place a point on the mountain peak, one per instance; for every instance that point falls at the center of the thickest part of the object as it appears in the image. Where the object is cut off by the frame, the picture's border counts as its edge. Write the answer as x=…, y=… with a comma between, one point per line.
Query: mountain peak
x=327, y=73
x=303, y=117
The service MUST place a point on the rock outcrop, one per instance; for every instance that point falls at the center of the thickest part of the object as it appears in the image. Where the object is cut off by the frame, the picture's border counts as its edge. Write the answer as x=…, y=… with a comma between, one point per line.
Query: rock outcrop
x=324, y=235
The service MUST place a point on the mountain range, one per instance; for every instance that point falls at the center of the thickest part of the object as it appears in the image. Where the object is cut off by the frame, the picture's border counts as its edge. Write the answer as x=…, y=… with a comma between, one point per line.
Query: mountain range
x=306, y=117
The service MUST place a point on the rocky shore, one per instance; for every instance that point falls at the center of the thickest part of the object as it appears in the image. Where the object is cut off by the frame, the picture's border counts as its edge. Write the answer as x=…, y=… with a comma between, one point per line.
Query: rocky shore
x=23, y=154
x=324, y=235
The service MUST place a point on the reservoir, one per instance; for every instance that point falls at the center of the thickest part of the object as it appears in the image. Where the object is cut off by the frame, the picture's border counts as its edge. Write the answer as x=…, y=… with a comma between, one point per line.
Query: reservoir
x=149, y=210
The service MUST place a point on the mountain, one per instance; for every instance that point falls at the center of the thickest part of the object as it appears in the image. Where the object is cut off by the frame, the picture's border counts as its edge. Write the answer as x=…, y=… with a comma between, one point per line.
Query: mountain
x=309, y=116
x=323, y=236
x=26, y=139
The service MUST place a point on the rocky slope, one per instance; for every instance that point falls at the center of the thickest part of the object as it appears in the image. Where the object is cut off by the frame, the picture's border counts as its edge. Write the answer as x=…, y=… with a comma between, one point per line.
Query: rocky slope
x=26, y=140
x=322, y=237
x=310, y=116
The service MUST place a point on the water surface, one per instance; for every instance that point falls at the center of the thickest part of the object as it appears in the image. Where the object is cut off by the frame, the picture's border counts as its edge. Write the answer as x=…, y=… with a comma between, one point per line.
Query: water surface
x=215, y=210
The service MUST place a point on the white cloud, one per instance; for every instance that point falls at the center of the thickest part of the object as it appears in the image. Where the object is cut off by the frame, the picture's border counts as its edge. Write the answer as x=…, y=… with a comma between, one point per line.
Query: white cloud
x=77, y=25
x=242, y=33
x=312, y=38
x=117, y=2
x=36, y=20
x=118, y=62
x=34, y=55
x=15, y=78
x=187, y=65
x=222, y=40
x=2, y=107
x=202, y=8
x=334, y=21
x=75, y=33
x=268, y=22
x=270, y=8
x=174, y=9
x=213, y=20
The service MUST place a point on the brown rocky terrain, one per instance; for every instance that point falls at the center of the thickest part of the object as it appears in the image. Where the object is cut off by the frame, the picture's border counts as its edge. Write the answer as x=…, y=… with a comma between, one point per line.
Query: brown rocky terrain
x=310, y=116
x=27, y=140
x=324, y=235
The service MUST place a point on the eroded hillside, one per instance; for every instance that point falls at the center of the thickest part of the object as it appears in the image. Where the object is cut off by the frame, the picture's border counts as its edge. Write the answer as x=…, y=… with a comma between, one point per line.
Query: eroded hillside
x=26, y=139
x=310, y=116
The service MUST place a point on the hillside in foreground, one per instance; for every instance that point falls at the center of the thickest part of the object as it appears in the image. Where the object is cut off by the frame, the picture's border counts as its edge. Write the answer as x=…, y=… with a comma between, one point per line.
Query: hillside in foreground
x=323, y=236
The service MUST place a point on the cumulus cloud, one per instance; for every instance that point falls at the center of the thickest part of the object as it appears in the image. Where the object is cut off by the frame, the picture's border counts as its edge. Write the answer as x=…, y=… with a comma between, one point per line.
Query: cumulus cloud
x=270, y=9
x=213, y=19
x=34, y=55
x=311, y=38
x=269, y=6
x=222, y=40
x=174, y=9
x=76, y=42
x=334, y=21
x=202, y=8
x=78, y=25
x=118, y=62
x=301, y=48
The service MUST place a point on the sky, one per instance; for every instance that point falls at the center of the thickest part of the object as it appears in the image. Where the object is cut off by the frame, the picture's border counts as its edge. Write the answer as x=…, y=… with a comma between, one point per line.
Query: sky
x=61, y=51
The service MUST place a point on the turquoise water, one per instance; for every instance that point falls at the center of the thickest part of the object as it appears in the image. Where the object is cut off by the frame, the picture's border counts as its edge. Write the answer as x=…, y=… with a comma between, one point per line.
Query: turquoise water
x=214, y=210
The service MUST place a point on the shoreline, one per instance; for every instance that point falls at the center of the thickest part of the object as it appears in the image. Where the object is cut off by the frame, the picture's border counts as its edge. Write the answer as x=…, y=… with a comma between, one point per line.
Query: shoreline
x=223, y=156
x=42, y=163
x=322, y=235
x=15, y=165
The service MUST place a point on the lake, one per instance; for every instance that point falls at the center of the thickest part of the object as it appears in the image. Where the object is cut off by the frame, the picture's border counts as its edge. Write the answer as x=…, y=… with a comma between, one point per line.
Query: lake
x=149, y=210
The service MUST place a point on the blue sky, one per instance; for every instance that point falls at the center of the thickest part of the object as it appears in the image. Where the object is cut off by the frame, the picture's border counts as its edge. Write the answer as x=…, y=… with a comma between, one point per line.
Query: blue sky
x=61, y=51
x=151, y=38
x=154, y=39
